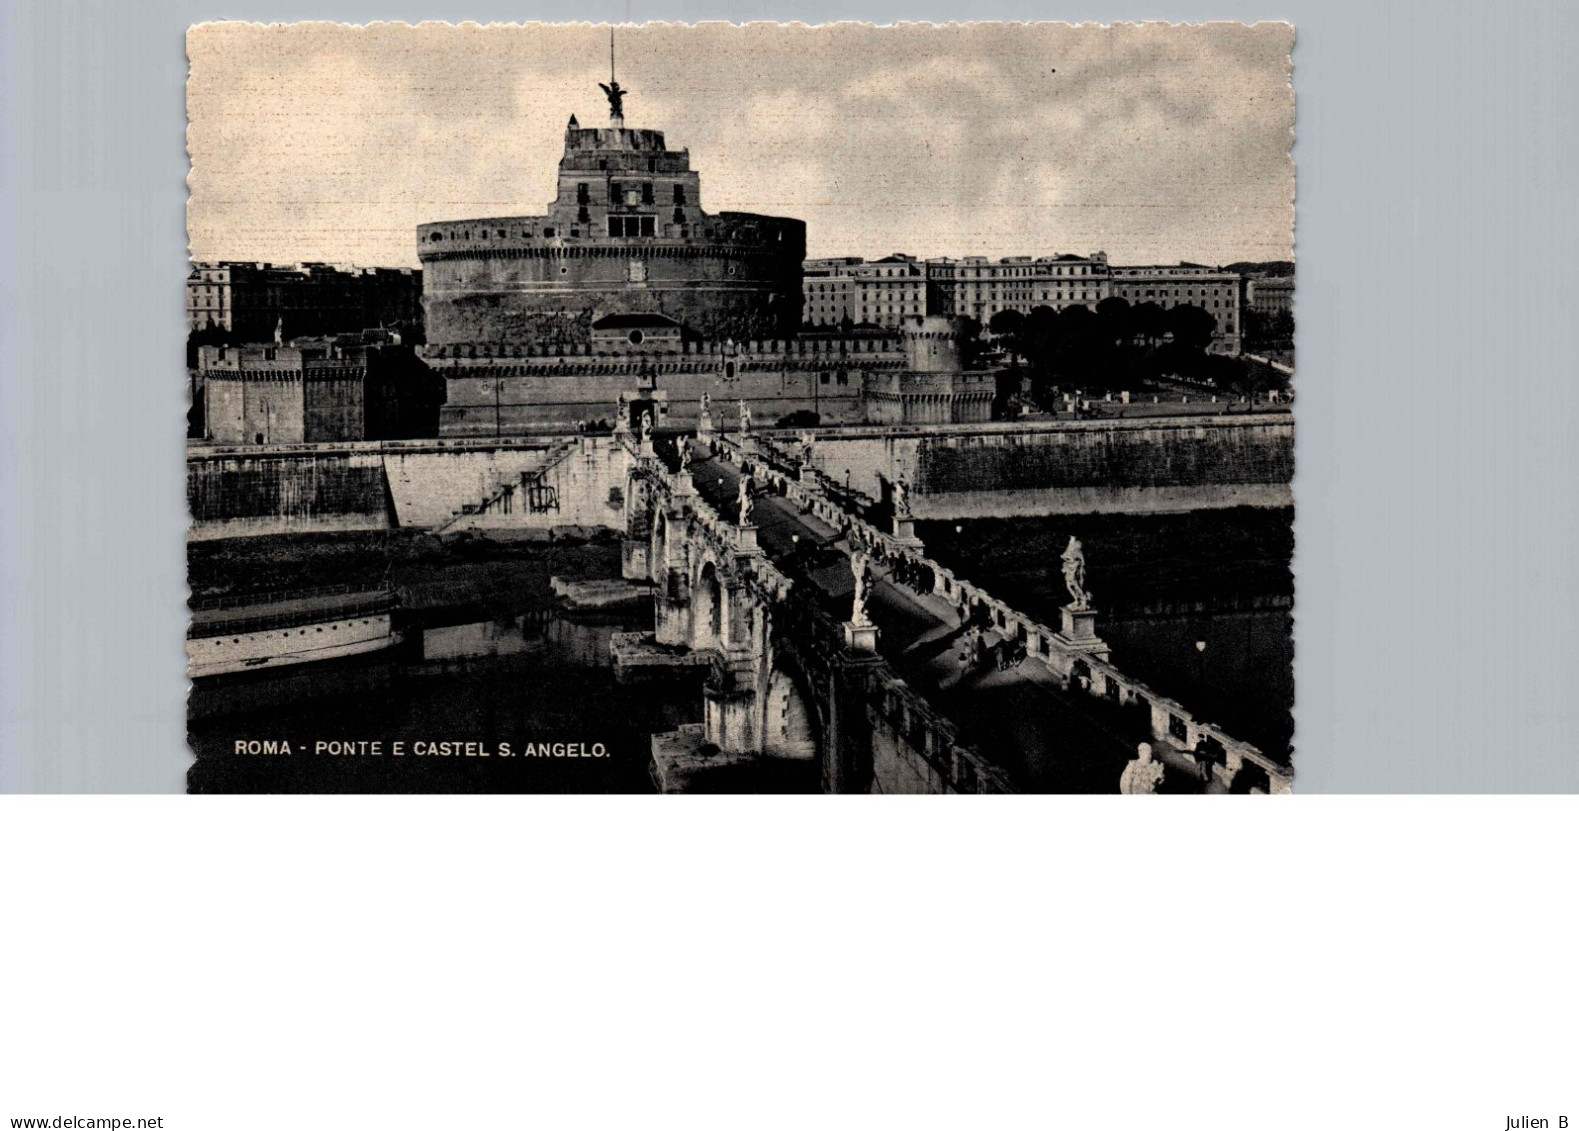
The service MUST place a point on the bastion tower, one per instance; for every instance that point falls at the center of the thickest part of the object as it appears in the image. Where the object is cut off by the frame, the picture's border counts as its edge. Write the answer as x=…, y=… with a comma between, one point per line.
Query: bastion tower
x=625, y=236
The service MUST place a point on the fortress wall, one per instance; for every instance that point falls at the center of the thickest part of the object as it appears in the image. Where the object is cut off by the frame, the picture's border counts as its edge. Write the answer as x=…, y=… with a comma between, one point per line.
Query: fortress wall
x=561, y=400
x=236, y=496
x=591, y=477
x=430, y=487
x=1138, y=466
x=360, y=486
x=531, y=295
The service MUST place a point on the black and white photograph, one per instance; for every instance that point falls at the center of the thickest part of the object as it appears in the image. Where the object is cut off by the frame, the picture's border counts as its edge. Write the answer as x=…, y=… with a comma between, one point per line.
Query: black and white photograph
x=741, y=409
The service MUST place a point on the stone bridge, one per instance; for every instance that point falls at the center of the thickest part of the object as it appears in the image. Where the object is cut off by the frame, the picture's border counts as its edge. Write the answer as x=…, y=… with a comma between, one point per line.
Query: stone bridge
x=802, y=693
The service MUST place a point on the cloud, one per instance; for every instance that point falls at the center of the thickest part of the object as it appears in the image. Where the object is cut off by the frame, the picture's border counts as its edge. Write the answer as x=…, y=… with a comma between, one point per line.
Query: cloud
x=1152, y=142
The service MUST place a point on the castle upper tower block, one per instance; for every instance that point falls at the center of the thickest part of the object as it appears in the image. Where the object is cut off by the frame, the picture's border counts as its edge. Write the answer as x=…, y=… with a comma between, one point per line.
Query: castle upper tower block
x=626, y=235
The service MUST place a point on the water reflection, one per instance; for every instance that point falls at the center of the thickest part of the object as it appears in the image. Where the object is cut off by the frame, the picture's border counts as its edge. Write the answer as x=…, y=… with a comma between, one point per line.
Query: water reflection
x=535, y=680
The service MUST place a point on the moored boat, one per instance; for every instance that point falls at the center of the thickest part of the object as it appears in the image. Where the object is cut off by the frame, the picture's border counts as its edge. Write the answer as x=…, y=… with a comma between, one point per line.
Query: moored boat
x=275, y=630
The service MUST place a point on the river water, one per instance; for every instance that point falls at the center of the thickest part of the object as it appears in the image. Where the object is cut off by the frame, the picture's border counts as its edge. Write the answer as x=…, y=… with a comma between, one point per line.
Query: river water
x=1197, y=606
x=508, y=667
x=538, y=679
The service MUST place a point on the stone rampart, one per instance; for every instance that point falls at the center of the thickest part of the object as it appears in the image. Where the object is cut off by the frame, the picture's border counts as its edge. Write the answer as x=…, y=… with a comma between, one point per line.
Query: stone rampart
x=237, y=491
x=1145, y=465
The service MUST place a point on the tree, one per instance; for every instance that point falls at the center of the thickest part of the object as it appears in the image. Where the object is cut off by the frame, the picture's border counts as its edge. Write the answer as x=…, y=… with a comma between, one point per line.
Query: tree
x=1192, y=328
x=1149, y=322
x=1117, y=325
x=1008, y=325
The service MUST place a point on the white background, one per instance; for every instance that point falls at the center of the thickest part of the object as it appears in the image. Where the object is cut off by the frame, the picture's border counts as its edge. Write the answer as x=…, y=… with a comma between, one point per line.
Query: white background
x=728, y=963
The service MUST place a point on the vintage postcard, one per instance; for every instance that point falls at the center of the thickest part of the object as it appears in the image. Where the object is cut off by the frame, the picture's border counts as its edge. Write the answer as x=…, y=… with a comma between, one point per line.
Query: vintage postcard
x=765, y=408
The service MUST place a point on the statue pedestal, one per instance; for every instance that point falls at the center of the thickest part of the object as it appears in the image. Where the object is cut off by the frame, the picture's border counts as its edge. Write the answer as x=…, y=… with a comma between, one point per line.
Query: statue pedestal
x=1077, y=629
x=746, y=540
x=681, y=483
x=905, y=527
x=860, y=637
x=704, y=424
x=644, y=449
x=808, y=475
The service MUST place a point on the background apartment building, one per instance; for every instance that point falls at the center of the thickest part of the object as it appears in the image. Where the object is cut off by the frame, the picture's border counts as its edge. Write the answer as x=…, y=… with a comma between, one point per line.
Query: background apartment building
x=885, y=292
x=252, y=300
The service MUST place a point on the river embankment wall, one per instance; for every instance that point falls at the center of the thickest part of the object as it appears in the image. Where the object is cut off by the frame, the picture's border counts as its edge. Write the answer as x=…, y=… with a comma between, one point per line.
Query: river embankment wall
x=1135, y=466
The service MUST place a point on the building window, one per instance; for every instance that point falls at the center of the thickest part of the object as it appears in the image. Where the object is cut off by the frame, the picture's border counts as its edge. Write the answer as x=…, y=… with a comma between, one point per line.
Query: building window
x=649, y=225
x=583, y=194
x=646, y=192
x=679, y=194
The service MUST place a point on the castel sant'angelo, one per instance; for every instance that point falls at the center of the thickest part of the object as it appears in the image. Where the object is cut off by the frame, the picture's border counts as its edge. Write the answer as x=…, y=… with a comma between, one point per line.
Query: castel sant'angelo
x=625, y=296
x=626, y=236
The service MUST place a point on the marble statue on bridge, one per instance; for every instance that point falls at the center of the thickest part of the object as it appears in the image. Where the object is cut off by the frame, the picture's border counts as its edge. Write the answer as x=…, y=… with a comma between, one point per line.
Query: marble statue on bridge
x=902, y=497
x=646, y=427
x=745, y=417
x=858, y=614
x=743, y=497
x=685, y=456
x=1143, y=774
x=1074, y=559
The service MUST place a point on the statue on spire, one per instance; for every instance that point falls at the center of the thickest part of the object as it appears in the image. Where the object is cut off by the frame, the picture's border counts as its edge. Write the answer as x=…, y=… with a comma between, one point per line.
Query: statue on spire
x=616, y=98
x=612, y=88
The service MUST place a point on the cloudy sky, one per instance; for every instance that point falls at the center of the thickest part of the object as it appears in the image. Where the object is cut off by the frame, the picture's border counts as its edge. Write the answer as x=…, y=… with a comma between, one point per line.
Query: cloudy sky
x=1153, y=143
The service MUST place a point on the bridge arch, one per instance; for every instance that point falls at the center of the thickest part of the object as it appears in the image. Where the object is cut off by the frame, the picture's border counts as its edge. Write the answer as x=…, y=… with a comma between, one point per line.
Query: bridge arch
x=793, y=722
x=707, y=629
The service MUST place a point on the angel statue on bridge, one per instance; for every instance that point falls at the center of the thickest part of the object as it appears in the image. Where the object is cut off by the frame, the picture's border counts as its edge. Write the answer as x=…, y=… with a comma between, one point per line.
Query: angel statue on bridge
x=858, y=616
x=1074, y=559
x=902, y=497
x=745, y=416
x=685, y=455
x=646, y=427
x=744, y=499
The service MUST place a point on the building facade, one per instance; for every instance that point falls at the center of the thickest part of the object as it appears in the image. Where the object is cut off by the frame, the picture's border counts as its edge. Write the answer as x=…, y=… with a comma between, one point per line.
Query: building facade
x=626, y=235
x=1216, y=292
x=1271, y=295
x=251, y=301
x=898, y=287
x=976, y=287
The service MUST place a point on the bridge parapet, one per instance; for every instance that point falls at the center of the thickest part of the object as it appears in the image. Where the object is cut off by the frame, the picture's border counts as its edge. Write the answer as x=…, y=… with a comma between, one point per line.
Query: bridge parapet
x=1219, y=758
x=783, y=689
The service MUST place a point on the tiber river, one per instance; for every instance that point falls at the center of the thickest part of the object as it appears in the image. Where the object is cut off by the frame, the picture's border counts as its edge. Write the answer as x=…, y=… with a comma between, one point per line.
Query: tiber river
x=489, y=660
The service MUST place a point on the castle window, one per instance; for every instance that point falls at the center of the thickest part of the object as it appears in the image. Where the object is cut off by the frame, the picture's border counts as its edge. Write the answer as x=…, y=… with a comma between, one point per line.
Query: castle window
x=583, y=196
x=616, y=225
x=648, y=225
x=548, y=233
x=646, y=192
x=614, y=192
x=679, y=215
x=652, y=164
x=679, y=194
